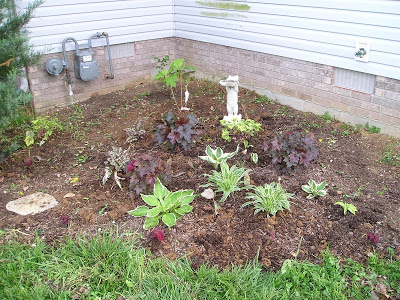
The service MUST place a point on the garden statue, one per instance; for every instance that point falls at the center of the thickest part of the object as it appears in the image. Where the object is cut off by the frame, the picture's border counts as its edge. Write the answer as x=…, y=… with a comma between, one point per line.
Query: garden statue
x=232, y=89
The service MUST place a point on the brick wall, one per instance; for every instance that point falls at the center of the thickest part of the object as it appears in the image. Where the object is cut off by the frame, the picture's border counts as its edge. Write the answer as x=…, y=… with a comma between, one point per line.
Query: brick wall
x=50, y=91
x=303, y=85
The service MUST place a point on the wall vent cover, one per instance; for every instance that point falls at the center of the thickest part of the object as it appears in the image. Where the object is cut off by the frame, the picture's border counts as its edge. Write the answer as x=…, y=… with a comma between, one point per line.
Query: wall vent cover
x=121, y=50
x=355, y=81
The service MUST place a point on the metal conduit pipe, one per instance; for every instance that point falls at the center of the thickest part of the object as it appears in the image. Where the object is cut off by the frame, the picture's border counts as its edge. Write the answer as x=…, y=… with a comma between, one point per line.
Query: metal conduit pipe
x=66, y=66
x=105, y=34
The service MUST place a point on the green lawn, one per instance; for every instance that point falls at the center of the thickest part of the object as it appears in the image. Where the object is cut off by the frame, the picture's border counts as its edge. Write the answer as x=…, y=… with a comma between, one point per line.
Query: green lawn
x=111, y=267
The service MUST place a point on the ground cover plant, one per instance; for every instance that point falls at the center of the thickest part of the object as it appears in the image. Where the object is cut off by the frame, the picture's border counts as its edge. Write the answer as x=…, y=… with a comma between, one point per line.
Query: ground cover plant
x=350, y=161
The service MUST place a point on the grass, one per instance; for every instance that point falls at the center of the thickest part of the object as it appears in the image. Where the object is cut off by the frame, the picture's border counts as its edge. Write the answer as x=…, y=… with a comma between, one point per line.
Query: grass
x=107, y=266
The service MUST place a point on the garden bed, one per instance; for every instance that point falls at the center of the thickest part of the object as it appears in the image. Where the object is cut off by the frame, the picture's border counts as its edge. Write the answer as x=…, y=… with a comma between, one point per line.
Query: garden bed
x=72, y=167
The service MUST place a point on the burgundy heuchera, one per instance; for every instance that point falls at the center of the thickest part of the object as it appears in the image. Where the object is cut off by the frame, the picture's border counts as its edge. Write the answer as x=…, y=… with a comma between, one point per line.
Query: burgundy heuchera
x=158, y=233
x=373, y=237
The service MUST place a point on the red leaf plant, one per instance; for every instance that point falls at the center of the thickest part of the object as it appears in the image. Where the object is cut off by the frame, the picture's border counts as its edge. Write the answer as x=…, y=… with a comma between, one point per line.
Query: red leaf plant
x=158, y=233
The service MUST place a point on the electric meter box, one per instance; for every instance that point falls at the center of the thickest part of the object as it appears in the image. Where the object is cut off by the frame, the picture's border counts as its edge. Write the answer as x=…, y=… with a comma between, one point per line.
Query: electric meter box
x=86, y=67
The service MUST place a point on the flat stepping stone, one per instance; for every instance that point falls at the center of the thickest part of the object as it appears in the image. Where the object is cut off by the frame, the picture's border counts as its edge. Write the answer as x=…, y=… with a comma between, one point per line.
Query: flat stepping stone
x=32, y=204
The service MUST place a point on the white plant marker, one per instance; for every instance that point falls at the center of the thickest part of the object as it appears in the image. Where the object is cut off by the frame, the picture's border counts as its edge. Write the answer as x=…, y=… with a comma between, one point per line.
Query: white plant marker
x=187, y=94
x=232, y=89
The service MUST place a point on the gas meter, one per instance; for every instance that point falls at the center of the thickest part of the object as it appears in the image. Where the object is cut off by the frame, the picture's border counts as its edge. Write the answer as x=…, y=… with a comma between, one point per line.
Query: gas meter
x=86, y=67
x=85, y=64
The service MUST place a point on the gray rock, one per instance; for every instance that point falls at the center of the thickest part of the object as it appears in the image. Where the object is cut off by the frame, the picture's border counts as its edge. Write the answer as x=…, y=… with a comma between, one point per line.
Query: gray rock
x=32, y=204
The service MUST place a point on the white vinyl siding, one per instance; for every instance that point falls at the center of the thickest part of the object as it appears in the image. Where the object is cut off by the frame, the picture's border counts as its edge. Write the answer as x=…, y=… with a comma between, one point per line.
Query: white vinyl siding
x=124, y=20
x=323, y=32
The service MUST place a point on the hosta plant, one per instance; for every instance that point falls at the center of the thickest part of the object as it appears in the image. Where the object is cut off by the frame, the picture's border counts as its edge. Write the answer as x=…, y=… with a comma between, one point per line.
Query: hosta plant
x=165, y=205
x=269, y=199
x=217, y=156
x=241, y=129
x=292, y=152
x=347, y=207
x=178, y=132
x=228, y=180
x=144, y=171
x=314, y=189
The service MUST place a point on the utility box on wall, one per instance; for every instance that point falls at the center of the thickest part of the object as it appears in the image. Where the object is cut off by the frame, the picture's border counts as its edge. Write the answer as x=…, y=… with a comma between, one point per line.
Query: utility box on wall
x=86, y=67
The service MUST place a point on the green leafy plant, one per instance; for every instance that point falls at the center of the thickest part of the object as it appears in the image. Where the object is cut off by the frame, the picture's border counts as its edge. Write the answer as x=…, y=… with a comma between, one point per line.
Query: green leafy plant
x=217, y=156
x=347, y=207
x=327, y=117
x=372, y=129
x=391, y=154
x=165, y=205
x=269, y=199
x=314, y=189
x=44, y=127
x=241, y=129
x=177, y=72
x=228, y=181
x=291, y=151
x=254, y=157
x=263, y=99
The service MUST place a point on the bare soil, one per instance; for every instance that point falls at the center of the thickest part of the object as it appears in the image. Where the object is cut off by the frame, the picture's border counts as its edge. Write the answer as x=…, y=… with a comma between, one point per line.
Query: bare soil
x=349, y=161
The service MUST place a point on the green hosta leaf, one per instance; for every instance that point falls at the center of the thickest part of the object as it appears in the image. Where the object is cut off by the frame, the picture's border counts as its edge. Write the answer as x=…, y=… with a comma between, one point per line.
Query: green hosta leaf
x=209, y=151
x=186, y=208
x=313, y=185
x=160, y=191
x=139, y=211
x=154, y=212
x=321, y=193
x=151, y=200
x=171, y=199
x=218, y=152
x=180, y=211
x=322, y=185
x=310, y=196
x=150, y=222
x=169, y=219
x=306, y=188
x=186, y=199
